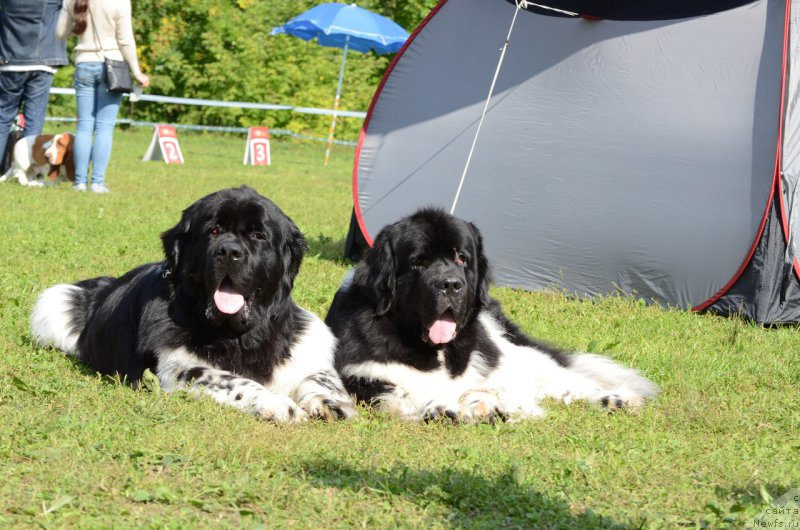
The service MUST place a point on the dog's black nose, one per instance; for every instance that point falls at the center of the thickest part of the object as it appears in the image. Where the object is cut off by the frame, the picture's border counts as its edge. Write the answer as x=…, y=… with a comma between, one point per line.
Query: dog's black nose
x=449, y=285
x=231, y=250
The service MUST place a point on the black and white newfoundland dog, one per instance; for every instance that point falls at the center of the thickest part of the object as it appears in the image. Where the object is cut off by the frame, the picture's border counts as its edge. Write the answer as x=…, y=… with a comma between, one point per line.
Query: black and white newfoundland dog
x=419, y=336
x=215, y=318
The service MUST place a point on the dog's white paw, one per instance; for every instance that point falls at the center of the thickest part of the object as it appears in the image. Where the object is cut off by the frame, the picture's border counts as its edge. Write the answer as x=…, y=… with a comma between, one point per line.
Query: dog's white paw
x=526, y=411
x=398, y=404
x=435, y=411
x=34, y=184
x=277, y=408
x=482, y=406
x=326, y=407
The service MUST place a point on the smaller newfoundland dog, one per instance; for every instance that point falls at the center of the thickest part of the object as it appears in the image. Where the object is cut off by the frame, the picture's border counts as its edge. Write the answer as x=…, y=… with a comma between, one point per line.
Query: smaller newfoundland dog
x=419, y=336
x=216, y=317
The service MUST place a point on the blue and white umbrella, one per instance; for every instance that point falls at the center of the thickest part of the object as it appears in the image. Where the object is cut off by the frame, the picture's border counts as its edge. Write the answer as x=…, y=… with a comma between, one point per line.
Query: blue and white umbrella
x=345, y=26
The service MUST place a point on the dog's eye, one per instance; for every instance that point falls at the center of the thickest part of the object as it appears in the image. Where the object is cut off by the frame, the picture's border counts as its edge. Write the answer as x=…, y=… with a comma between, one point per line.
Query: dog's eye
x=461, y=259
x=261, y=236
x=418, y=262
x=214, y=231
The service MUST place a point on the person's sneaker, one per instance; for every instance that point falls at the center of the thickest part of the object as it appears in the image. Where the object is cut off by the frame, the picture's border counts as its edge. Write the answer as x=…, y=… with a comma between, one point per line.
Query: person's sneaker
x=79, y=187
x=99, y=188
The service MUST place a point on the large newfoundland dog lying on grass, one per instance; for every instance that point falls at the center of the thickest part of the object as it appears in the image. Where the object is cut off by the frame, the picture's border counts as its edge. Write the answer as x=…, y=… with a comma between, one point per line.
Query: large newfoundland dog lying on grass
x=420, y=337
x=216, y=317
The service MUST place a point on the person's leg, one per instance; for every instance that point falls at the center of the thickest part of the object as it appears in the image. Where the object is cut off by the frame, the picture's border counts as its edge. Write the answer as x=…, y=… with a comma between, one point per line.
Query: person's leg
x=35, y=96
x=11, y=84
x=107, y=108
x=86, y=75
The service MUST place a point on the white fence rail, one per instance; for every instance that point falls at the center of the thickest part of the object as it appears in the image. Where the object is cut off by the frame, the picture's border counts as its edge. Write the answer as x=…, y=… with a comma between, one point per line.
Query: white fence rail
x=230, y=104
x=234, y=104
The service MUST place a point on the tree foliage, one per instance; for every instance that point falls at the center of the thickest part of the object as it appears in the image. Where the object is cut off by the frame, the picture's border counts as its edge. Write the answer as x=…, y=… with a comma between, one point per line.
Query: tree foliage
x=221, y=49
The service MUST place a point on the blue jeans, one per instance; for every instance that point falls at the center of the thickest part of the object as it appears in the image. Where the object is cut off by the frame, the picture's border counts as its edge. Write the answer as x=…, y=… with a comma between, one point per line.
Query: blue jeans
x=29, y=88
x=97, y=113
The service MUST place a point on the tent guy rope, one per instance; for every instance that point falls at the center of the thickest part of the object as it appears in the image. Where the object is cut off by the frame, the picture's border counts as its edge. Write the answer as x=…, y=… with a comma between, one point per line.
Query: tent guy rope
x=521, y=4
x=486, y=105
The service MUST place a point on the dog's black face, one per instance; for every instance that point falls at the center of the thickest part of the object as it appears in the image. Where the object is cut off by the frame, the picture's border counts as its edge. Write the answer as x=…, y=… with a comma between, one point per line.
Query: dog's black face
x=429, y=271
x=233, y=257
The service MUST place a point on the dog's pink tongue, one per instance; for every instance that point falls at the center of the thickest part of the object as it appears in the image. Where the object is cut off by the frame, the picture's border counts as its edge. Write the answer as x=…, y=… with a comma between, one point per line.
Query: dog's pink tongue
x=443, y=330
x=228, y=300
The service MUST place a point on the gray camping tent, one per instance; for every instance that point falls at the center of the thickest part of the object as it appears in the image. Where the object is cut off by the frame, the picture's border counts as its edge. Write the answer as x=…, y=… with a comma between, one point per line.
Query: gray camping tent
x=624, y=149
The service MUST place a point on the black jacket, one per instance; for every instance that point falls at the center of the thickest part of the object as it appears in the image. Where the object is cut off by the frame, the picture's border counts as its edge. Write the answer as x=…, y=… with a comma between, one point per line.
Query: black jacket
x=28, y=33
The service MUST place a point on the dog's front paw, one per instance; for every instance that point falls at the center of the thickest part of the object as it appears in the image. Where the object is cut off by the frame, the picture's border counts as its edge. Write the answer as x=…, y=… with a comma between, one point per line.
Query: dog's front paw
x=33, y=184
x=434, y=411
x=325, y=407
x=277, y=408
x=482, y=406
x=398, y=404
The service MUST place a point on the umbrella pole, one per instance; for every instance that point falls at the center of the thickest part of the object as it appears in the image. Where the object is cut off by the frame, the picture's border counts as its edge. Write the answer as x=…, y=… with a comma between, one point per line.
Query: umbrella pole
x=336, y=101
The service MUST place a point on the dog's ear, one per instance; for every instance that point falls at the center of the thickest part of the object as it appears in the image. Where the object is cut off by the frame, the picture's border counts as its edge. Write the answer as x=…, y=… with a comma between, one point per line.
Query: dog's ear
x=176, y=239
x=294, y=248
x=69, y=162
x=377, y=271
x=482, y=263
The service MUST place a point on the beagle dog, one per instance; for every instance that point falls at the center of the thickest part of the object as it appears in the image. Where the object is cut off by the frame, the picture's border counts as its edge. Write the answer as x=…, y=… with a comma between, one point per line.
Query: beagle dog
x=43, y=155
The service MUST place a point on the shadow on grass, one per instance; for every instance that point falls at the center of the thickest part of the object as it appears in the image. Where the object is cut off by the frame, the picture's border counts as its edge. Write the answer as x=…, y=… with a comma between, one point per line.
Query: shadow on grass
x=752, y=496
x=80, y=366
x=85, y=369
x=327, y=248
x=472, y=500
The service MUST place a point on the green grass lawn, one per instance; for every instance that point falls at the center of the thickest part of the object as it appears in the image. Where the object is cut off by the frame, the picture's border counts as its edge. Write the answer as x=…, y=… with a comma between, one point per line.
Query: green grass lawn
x=78, y=450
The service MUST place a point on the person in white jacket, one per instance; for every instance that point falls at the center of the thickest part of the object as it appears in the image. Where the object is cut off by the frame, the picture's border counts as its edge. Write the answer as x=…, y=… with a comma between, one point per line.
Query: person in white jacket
x=104, y=31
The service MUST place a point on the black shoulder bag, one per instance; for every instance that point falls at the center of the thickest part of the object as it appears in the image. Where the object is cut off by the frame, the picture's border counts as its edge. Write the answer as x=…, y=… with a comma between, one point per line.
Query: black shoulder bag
x=118, y=73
